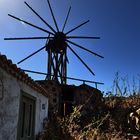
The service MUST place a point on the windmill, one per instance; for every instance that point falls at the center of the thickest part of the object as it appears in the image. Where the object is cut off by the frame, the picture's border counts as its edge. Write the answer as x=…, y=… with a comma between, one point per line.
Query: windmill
x=57, y=43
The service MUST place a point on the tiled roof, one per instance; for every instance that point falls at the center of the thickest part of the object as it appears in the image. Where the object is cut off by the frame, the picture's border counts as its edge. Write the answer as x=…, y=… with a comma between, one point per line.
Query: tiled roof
x=13, y=70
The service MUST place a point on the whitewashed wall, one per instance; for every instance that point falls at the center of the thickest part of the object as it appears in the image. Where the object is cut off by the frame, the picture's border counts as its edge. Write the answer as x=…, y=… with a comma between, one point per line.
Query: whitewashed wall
x=40, y=99
x=10, y=103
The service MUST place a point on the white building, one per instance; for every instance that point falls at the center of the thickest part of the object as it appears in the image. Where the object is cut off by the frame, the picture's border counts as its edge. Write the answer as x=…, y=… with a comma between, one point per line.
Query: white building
x=23, y=103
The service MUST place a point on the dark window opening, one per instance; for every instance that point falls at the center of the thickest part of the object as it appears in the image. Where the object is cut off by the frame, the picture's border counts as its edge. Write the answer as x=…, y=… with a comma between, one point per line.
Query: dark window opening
x=68, y=94
x=30, y=120
x=67, y=100
x=23, y=120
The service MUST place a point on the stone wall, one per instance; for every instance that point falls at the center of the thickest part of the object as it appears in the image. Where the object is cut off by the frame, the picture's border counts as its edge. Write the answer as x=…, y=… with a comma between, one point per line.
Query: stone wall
x=54, y=94
x=62, y=98
x=84, y=92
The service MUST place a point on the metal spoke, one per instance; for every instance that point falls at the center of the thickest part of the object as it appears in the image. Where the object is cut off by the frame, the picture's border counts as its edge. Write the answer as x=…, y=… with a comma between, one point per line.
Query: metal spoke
x=53, y=16
x=66, y=19
x=30, y=24
x=39, y=16
x=31, y=54
x=84, y=48
x=82, y=37
x=81, y=60
x=27, y=38
x=77, y=27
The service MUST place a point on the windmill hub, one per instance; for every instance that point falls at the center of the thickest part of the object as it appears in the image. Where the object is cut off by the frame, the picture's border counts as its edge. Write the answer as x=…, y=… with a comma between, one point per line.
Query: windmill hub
x=58, y=43
x=60, y=36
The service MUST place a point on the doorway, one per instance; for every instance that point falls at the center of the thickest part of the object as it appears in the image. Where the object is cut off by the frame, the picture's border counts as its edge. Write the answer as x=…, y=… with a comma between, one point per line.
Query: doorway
x=26, y=118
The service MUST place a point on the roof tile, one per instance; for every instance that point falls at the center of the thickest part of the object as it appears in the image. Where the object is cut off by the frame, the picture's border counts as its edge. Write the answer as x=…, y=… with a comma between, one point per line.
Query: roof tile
x=12, y=69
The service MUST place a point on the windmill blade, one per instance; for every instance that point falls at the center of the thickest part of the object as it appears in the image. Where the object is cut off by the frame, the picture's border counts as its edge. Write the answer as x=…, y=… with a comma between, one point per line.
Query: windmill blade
x=53, y=16
x=30, y=24
x=82, y=37
x=66, y=19
x=81, y=60
x=31, y=54
x=39, y=16
x=27, y=38
x=77, y=27
x=84, y=48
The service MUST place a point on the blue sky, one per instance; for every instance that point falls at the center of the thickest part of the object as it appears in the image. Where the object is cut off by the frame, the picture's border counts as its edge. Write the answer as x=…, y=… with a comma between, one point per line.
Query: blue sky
x=117, y=22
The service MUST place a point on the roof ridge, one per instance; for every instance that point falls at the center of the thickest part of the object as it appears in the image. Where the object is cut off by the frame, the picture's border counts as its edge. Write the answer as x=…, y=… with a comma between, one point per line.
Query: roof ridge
x=12, y=69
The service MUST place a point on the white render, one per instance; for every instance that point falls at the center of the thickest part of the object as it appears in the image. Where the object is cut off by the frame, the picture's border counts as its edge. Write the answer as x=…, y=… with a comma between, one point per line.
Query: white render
x=10, y=103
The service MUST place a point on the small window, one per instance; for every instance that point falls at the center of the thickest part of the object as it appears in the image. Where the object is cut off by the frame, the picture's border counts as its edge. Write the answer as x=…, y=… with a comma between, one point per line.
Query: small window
x=43, y=106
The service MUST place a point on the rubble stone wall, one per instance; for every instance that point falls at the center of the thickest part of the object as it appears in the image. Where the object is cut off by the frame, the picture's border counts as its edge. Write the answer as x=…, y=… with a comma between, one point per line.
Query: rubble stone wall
x=54, y=94
x=84, y=92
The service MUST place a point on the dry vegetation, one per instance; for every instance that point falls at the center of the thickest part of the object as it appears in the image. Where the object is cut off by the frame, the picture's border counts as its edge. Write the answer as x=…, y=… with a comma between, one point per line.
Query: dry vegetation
x=107, y=120
x=97, y=119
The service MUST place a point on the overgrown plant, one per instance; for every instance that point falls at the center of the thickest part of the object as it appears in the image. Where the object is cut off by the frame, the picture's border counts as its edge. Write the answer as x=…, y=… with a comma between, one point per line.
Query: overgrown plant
x=74, y=124
x=123, y=86
x=91, y=131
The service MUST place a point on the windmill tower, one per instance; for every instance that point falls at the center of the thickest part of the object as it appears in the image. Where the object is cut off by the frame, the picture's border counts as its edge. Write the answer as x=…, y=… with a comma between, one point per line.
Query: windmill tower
x=57, y=43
